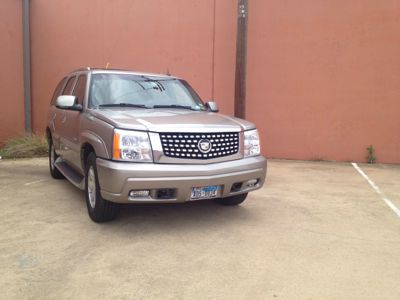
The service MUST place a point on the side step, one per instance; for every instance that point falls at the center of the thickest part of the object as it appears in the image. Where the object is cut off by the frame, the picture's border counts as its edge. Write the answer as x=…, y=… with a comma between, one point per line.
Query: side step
x=75, y=178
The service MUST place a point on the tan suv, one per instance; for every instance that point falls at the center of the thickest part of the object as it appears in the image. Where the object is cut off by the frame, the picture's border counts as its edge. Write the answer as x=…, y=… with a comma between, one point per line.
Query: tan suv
x=127, y=137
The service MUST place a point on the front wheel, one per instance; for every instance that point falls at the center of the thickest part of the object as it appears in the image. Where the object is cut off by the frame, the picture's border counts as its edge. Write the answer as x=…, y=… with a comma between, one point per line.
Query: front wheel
x=99, y=209
x=232, y=200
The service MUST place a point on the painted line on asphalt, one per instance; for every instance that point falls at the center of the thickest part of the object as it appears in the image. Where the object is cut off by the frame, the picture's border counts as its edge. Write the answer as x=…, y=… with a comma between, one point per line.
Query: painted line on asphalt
x=377, y=190
x=33, y=182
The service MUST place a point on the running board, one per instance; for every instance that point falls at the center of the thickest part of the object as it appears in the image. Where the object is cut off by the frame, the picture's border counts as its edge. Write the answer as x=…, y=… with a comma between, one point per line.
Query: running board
x=75, y=178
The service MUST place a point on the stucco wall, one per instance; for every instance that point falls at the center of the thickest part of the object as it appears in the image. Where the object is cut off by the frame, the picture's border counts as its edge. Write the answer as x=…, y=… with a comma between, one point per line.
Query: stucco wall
x=11, y=84
x=151, y=36
x=324, y=78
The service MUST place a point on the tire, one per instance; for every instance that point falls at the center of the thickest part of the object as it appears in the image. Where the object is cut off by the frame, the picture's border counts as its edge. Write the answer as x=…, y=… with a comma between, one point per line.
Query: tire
x=232, y=200
x=99, y=209
x=54, y=172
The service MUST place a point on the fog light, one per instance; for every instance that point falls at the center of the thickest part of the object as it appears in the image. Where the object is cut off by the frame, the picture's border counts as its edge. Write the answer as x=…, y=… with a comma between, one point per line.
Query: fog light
x=139, y=193
x=236, y=187
x=251, y=183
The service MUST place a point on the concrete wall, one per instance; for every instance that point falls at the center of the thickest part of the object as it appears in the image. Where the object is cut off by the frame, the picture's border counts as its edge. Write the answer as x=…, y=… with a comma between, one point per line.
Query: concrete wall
x=324, y=78
x=11, y=84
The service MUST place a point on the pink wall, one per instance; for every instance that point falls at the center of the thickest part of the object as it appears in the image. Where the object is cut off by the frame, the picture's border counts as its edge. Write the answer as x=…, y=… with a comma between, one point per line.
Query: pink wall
x=324, y=78
x=150, y=36
x=225, y=55
x=11, y=84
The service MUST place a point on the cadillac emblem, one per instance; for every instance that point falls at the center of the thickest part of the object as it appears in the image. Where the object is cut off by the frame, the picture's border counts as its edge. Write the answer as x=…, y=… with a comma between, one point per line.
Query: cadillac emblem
x=204, y=146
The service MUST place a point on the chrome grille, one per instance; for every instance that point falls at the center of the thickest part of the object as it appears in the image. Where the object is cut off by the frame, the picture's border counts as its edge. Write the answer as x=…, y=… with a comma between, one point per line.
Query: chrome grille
x=188, y=145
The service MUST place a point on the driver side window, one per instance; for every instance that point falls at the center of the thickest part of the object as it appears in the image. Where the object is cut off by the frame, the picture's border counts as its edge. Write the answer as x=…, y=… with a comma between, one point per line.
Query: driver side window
x=69, y=86
x=57, y=91
x=80, y=88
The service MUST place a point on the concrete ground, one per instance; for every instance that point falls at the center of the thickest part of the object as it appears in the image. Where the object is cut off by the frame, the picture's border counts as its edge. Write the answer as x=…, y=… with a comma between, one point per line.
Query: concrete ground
x=315, y=231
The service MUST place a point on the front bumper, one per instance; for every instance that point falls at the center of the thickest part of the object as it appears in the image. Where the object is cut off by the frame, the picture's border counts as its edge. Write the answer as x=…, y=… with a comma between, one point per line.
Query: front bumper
x=117, y=179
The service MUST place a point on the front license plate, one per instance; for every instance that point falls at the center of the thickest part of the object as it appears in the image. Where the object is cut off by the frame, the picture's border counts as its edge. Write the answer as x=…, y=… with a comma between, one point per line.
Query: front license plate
x=204, y=192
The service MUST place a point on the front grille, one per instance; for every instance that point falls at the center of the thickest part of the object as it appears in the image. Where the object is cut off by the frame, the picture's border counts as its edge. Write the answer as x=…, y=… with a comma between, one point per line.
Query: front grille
x=194, y=145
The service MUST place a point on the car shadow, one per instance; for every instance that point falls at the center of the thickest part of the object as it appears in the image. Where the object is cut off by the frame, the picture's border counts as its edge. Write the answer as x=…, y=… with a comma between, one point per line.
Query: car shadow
x=172, y=217
x=156, y=217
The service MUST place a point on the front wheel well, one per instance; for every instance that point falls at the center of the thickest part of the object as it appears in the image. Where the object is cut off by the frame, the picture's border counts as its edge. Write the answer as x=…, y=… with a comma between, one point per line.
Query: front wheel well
x=85, y=152
x=48, y=135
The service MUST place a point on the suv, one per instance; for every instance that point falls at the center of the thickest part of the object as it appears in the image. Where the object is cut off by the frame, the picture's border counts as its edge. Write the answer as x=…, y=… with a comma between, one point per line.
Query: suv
x=126, y=137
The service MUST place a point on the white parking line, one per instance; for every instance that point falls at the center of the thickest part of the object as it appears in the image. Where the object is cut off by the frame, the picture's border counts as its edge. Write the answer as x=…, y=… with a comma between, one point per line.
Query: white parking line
x=34, y=182
x=376, y=188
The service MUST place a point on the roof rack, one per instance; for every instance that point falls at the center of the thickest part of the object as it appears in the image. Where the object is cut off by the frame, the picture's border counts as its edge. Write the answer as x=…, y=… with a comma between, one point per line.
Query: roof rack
x=100, y=69
x=121, y=70
x=82, y=69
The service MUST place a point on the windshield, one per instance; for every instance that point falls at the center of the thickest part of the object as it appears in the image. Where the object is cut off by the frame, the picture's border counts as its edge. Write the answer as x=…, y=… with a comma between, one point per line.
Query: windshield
x=127, y=90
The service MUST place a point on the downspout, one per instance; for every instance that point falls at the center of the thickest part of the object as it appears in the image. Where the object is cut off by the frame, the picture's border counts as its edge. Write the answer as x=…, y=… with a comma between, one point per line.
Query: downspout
x=241, y=53
x=26, y=66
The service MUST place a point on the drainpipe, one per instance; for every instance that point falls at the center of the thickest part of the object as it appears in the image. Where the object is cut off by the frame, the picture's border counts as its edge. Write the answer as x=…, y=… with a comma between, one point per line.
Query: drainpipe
x=241, y=52
x=26, y=66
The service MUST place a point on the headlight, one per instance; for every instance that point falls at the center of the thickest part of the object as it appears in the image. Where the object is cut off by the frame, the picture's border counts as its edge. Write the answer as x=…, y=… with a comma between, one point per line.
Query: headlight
x=132, y=146
x=251, y=143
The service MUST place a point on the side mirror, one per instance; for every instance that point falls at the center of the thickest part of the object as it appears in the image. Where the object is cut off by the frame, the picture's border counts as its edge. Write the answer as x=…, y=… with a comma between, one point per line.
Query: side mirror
x=212, y=106
x=68, y=102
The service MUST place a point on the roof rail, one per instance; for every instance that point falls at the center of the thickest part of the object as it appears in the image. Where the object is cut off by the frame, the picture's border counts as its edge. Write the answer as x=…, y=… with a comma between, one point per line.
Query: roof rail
x=81, y=69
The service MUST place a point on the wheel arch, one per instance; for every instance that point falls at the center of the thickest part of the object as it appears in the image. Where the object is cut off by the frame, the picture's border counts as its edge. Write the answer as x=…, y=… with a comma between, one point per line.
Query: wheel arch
x=86, y=149
x=48, y=135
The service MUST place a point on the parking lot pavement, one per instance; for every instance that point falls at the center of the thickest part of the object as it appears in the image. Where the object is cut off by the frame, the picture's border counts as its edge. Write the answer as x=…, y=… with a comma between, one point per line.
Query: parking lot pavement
x=315, y=231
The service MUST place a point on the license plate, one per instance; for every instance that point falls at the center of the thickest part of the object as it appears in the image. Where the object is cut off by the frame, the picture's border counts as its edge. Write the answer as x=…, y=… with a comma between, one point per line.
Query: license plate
x=204, y=192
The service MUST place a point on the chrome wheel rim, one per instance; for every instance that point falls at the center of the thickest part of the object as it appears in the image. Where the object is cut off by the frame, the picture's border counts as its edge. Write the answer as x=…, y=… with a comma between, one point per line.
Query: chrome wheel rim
x=91, y=187
x=52, y=157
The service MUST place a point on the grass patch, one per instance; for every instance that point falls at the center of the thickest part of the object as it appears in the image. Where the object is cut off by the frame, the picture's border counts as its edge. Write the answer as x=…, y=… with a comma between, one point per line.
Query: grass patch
x=317, y=158
x=25, y=146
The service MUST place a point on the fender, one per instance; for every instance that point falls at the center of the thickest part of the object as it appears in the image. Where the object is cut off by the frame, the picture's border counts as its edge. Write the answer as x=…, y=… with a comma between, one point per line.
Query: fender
x=98, y=144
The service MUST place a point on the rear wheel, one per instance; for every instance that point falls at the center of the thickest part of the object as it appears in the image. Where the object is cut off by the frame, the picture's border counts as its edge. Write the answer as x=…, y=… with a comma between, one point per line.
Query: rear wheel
x=99, y=209
x=55, y=173
x=232, y=200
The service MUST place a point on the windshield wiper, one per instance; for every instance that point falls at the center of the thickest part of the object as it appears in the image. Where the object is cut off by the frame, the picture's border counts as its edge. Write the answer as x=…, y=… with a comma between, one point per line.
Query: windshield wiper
x=157, y=82
x=174, y=106
x=123, y=105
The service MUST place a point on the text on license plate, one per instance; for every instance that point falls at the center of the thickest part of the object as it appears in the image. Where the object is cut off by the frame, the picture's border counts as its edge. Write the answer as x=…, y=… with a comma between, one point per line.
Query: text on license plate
x=204, y=192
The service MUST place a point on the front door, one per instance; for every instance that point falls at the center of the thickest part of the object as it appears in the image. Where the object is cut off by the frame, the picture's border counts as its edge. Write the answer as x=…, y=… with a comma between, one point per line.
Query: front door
x=73, y=123
x=60, y=123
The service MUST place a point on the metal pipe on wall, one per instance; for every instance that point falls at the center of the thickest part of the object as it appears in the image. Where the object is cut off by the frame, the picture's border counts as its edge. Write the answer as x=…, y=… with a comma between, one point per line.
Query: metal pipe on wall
x=241, y=52
x=26, y=66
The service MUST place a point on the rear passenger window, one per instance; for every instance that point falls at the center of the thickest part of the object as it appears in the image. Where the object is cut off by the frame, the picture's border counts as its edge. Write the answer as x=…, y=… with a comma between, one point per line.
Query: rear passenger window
x=57, y=91
x=80, y=88
x=69, y=86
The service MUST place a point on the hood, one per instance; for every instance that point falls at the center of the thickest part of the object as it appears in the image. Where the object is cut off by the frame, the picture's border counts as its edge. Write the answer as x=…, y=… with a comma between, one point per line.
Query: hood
x=170, y=120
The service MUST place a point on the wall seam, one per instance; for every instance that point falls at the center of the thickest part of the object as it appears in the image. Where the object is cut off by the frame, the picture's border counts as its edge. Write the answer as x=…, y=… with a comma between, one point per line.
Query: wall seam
x=213, y=52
